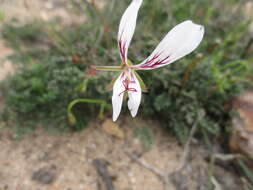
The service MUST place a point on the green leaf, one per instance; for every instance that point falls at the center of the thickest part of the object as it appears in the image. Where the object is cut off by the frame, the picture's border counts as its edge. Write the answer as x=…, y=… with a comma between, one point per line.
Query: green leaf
x=142, y=84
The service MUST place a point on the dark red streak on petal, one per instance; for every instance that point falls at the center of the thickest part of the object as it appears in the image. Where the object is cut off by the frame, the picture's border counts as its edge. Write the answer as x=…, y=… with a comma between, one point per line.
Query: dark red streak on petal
x=123, y=74
x=150, y=61
x=122, y=47
x=153, y=62
x=126, y=85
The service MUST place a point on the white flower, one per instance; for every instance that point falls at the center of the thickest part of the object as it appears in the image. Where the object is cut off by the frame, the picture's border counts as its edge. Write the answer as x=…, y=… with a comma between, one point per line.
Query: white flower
x=180, y=41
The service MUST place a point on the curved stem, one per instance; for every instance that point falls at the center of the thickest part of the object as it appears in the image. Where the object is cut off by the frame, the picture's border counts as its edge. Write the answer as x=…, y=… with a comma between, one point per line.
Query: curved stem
x=71, y=116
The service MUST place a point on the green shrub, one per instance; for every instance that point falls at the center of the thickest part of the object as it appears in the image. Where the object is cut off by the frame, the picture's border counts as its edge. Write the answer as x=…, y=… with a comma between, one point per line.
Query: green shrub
x=54, y=62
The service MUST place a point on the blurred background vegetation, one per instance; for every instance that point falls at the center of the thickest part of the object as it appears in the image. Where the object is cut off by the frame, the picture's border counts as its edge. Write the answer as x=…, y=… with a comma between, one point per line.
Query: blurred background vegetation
x=53, y=67
x=55, y=87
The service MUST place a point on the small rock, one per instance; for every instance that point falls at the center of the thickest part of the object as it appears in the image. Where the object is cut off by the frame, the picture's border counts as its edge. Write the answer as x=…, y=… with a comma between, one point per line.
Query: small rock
x=226, y=179
x=45, y=175
x=180, y=181
x=112, y=128
x=241, y=140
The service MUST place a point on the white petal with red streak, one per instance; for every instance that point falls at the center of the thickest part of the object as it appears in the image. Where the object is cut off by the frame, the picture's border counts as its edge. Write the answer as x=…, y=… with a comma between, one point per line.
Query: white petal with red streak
x=134, y=97
x=117, y=97
x=180, y=41
x=127, y=26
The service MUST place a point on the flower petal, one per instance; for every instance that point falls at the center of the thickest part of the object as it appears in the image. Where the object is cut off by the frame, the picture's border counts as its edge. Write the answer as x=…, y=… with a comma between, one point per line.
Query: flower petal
x=117, y=97
x=127, y=27
x=180, y=41
x=134, y=95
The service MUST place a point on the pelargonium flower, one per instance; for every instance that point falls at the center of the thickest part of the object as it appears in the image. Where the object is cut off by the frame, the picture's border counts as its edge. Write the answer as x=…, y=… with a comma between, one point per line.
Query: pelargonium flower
x=180, y=41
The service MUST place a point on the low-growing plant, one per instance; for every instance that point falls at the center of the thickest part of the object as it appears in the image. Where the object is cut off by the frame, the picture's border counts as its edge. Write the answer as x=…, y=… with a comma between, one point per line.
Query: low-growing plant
x=146, y=136
x=53, y=67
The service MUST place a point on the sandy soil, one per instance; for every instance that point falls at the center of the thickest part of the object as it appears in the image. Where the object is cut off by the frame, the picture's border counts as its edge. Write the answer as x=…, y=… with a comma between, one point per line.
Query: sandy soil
x=30, y=10
x=49, y=161
x=45, y=161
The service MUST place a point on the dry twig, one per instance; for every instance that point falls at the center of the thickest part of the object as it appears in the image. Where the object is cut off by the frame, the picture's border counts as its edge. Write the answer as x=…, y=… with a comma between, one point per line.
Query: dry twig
x=165, y=176
x=187, y=147
x=101, y=167
x=144, y=164
x=160, y=174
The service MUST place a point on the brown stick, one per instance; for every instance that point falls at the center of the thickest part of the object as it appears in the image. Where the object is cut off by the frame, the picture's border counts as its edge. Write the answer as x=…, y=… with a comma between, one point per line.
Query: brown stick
x=101, y=167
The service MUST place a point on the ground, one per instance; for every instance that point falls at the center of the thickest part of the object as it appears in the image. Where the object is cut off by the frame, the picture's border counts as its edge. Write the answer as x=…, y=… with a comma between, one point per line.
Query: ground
x=43, y=160
x=47, y=161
